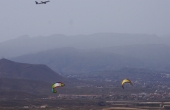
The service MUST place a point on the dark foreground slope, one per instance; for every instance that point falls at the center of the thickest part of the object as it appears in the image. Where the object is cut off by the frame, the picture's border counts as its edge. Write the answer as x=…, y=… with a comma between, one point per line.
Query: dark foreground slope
x=22, y=88
x=24, y=85
x=19, y=80
x=10, y=69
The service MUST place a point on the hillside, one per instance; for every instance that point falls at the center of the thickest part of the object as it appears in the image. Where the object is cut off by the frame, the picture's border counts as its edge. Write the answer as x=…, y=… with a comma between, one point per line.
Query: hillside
x=11, y=69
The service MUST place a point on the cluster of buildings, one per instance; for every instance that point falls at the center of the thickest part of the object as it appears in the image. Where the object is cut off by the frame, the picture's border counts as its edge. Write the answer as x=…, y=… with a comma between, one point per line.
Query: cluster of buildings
x=34, y=106
x=139, y=96
x=73, y=96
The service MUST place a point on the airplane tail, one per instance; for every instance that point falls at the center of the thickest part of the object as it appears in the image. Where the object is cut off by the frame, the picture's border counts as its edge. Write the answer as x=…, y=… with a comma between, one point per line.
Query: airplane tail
x=36, y=2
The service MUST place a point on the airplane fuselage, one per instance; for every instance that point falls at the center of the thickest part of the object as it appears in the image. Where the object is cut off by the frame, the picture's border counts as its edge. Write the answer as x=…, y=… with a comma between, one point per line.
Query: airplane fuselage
x=42, y=2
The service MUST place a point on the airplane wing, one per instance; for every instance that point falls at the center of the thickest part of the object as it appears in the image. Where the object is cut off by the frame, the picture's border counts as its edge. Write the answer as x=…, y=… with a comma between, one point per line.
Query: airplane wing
x=43, y=2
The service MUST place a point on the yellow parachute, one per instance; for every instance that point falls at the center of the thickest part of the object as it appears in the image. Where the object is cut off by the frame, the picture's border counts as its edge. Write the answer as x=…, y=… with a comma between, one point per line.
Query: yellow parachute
x=126, y=81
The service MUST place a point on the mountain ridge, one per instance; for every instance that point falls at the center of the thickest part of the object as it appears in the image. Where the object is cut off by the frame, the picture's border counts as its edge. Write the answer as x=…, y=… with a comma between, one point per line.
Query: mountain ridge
x=25, y=45
x=11, y=69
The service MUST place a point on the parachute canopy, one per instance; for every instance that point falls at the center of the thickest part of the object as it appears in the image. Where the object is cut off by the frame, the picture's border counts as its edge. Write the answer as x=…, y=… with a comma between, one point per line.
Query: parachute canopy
x=126, y=81
x=55, y=85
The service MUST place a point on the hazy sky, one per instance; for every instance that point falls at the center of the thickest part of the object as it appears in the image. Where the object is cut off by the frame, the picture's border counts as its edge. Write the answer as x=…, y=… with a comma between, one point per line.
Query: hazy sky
x=72, y=17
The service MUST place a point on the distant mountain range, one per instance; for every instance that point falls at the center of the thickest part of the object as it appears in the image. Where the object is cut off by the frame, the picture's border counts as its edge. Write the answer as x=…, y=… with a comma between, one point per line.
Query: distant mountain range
x=26, y=45
x=70, y=60
x=153, y=56
x=95, y=52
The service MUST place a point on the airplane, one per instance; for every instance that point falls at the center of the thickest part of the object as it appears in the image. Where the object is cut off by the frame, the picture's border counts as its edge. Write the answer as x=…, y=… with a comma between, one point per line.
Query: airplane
x=42, y=2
